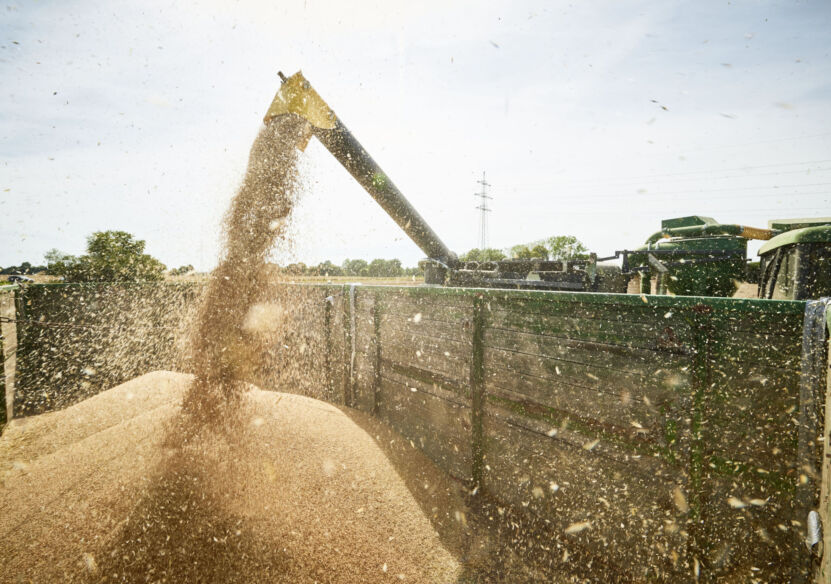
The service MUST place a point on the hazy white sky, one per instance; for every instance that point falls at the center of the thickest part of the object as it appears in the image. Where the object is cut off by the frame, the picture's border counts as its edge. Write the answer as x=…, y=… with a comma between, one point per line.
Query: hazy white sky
x=596, y=119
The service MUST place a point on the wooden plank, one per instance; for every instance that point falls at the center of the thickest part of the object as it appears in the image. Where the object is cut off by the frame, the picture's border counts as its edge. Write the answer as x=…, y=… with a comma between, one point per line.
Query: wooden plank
x=629, y=359
x=363, y=381
x=748, y=531
x=427, y=376
x=98, y=336
x=646, y=336
x=439, y=427
x=622, y=314
x=752, y=418
x=772, y=350
x=444, y=359
x=732, y=314
x=8, y=330
x=417, y=296
x=612, y=412
x=661, y=386
x=618, y=498
x=451, y=331
x=433, y=314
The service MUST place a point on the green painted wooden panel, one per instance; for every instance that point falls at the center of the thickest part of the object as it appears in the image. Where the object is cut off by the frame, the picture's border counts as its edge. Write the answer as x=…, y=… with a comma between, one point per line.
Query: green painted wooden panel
x=75, y=341
x=629, y=359
x=436, y=421
x=624, y=502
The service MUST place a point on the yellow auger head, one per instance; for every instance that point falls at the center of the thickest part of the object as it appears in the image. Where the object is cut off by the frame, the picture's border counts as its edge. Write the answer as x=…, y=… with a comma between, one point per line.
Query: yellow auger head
x=296, y=96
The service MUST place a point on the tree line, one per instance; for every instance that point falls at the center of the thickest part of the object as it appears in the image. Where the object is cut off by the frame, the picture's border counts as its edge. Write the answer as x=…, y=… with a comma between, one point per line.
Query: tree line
x=377, y=268
x=558, y=247
x=117, y=256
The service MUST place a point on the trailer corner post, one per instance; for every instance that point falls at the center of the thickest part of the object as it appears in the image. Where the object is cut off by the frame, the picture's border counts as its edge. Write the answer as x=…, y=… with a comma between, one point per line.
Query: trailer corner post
x=9, y=334
x=811, y=451
x=477, y=389
x=376, y=353
x=824, y=572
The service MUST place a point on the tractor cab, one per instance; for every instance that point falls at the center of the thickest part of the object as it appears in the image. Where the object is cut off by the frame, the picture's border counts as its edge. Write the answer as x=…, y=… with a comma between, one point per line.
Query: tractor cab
x=796, y=264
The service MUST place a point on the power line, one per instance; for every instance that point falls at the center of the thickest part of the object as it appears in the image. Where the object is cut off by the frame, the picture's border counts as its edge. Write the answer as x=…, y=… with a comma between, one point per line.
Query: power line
x=483, y=207
x=621, y=182
x=749, y=210
x=704, y=192
x=806, y=137
x=698, y=172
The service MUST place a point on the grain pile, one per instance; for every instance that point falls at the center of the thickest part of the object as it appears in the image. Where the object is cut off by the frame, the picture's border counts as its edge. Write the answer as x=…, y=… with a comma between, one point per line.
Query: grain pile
x=96, y=493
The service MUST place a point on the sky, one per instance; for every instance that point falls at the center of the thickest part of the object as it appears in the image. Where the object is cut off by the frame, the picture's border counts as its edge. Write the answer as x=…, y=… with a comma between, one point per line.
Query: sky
x=592, y=119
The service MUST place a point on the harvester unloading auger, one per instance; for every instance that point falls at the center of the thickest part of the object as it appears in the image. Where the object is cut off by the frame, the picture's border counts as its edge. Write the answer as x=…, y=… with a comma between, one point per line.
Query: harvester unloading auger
x=296, y=96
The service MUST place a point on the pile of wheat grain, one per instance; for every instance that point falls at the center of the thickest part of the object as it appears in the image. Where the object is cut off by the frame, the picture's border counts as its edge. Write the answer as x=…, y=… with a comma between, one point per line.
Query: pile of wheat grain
x=113, y=490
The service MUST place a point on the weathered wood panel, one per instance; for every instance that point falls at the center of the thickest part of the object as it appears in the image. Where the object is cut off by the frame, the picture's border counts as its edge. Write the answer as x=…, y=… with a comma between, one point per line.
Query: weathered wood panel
x=77, y=340
x=618, y=503
x=8, y=341
x=707, y=389
x=290, y=347
x=436, y=421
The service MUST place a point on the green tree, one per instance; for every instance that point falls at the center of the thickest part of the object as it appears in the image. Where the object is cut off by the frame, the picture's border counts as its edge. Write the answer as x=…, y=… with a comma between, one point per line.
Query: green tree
x=566, y=247
x=297, y=269
x=539, y=251
x=522, y=252
x=24, y=268
x=181, y=270
x=380, y=268
x=355, y=267
x=327, y=268
x=59, y=263
x=112, y=256
x=483, y=255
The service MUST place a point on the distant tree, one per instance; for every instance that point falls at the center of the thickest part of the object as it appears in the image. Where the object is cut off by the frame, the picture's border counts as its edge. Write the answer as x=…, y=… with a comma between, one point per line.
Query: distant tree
x=558, y=247
x=59, y=263
x=181, y=270
x=380, y=268
x=376, y=268
x=539, y=251
x=24, y=268
x=327, y=268
x=394, y=267
x=473, y=255
x=523, y=252
x=355, y=267
x=297, y=269
x=112, y=256
x=566, y=247
x=483, y=255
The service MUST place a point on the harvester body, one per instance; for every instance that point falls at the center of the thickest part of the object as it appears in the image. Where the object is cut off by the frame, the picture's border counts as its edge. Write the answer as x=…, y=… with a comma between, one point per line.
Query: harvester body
x=695, y=256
